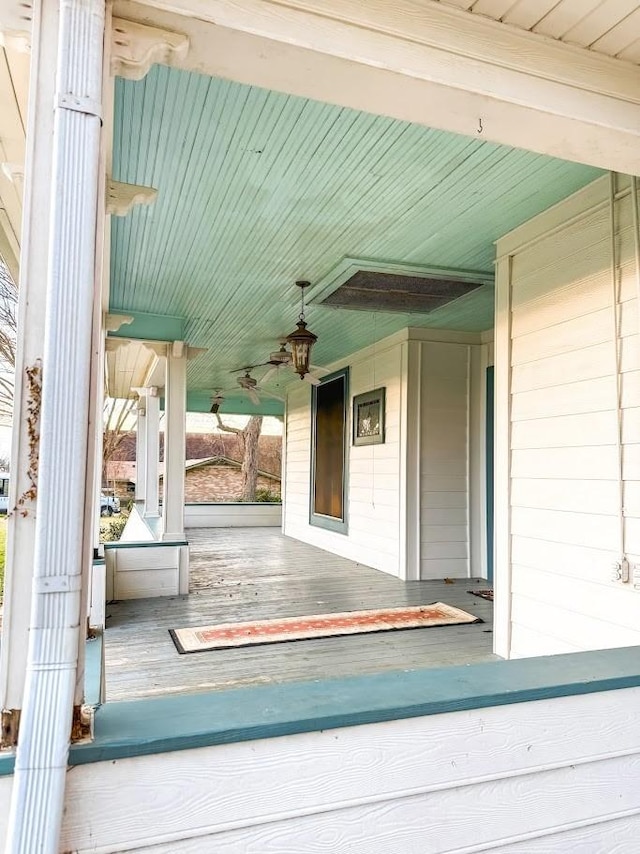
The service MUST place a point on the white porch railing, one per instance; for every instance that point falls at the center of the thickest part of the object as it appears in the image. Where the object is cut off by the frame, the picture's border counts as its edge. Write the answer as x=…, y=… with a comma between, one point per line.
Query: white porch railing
x=233, y=515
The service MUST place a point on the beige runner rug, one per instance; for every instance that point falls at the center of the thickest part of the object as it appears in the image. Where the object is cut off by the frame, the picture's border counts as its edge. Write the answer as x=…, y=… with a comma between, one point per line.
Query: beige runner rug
x=227, y=635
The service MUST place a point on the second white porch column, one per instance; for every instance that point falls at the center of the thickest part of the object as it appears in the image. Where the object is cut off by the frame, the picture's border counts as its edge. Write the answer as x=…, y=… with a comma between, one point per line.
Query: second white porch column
x=175, y=442
x=141, y=448
x=148, y=452
x=152, y=462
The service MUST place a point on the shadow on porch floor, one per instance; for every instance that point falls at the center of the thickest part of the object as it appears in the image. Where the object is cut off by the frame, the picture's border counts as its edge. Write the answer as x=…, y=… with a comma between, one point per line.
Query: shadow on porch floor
x=256, y=573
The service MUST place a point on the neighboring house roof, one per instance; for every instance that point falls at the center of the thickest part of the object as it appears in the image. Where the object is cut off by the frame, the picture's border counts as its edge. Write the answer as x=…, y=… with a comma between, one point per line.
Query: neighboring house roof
x=201, y=446
x=125, y=470
x=219, y=460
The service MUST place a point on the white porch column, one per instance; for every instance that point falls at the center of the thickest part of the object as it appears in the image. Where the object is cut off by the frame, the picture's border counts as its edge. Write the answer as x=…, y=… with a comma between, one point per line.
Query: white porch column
x=141, y=447
x=152, y=453
x=39, y=781
x=174, y=442
x=30, y=351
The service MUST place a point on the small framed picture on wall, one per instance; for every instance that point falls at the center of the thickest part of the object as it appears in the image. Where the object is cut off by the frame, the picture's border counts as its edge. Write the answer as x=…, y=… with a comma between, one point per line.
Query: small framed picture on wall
x=368, y=417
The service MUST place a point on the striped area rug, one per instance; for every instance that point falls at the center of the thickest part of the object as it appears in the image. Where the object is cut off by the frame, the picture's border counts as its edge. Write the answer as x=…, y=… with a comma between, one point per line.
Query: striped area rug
x=228, y=635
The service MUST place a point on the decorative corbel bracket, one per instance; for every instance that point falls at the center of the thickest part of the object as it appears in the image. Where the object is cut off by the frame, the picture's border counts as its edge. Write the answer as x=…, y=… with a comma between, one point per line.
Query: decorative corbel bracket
x=136, y=47
x=122, y=197
x=113, y=322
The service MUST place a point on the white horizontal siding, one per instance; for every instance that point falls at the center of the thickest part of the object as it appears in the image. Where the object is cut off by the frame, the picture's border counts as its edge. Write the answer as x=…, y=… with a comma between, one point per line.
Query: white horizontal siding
x=566, y=336
x=574, y=334
x=373, y=482
x=381, y=788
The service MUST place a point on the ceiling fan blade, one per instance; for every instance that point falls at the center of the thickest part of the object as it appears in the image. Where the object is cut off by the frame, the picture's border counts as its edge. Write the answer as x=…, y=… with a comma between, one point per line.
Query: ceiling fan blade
x=269, y=374
x=264, y=393
x=253, y=396
x=248, y=368
x=321, y=372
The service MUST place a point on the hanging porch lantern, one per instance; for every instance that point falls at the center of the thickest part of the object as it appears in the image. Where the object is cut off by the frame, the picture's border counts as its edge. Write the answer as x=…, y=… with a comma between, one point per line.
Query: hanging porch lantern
x=301, y=340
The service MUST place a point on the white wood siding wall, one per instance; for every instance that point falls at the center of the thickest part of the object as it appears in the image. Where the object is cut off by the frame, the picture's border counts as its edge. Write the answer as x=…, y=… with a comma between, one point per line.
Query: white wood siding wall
x=373, y=497
x=515, y=779
x=565, y=498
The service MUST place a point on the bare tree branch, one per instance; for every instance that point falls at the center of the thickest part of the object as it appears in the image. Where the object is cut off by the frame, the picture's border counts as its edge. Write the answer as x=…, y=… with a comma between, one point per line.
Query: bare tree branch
x=227, y=427
x=115, y=415
x=249, y=437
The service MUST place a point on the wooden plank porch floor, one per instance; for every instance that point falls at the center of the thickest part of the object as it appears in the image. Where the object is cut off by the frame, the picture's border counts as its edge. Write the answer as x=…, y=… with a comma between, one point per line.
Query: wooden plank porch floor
x=256, y=573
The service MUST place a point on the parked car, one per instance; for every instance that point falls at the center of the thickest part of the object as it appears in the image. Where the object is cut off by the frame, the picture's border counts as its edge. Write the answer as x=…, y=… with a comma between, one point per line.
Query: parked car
x=109, y=504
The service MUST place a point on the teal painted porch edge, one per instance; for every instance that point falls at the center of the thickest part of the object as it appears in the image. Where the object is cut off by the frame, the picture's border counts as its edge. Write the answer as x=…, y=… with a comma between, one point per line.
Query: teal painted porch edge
x=141, y=727
x=234, y=404
x=163, y=724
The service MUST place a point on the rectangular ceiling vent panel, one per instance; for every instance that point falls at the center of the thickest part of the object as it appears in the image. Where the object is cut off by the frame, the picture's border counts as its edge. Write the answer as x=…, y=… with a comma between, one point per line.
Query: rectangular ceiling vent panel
x=410, y=294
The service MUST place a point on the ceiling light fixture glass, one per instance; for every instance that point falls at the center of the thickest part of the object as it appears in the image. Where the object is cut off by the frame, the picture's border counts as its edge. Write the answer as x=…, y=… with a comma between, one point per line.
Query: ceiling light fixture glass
x=301, y=339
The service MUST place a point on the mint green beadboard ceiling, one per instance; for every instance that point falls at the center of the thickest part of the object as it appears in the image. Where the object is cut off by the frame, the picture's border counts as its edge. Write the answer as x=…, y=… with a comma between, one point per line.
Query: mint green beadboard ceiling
x=257, y=189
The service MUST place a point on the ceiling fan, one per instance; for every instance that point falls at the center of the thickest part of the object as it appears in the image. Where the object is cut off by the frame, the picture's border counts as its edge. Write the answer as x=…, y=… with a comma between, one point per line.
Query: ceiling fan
x=283, y=358
x=249, y=386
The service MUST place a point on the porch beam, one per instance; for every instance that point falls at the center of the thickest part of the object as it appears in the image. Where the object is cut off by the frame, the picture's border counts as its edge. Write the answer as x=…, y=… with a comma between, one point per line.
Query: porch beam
x=420, y=61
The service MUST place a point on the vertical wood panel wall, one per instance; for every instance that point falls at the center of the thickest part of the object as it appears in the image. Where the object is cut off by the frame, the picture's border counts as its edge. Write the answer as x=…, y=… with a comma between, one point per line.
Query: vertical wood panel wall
x=572, y=351
x=444, y=460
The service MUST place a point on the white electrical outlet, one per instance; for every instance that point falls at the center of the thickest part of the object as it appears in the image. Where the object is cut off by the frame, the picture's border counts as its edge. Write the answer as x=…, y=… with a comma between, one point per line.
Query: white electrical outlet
x=625, y=571
x=621, y=572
